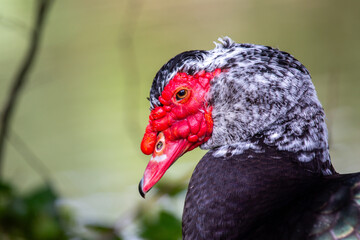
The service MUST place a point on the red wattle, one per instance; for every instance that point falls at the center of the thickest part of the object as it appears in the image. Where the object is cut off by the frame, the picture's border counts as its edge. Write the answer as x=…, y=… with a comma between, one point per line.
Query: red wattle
x=149, y=140
x=188, y=118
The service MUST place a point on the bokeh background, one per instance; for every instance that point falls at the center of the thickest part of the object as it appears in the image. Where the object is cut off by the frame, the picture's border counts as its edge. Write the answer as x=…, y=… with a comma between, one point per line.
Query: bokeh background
x=82, y=113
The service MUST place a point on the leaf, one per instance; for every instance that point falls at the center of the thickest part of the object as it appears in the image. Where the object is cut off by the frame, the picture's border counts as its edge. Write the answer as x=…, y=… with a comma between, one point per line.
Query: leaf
x=164, y=227
x=104, y=232
x=33, y=216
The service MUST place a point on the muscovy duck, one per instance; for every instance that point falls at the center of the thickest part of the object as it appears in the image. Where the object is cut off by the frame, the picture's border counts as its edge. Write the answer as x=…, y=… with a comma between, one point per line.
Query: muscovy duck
x=268, y=173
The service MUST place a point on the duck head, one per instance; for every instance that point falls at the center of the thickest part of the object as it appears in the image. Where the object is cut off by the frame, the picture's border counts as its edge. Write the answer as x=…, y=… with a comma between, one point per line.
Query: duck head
x=227, y=99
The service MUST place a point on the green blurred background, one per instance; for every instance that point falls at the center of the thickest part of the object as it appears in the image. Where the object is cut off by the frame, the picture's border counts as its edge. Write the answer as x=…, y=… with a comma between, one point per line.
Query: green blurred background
x=84, y=109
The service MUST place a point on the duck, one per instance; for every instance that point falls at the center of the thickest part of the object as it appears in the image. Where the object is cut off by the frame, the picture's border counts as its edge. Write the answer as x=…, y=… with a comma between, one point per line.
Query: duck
x=267, y=173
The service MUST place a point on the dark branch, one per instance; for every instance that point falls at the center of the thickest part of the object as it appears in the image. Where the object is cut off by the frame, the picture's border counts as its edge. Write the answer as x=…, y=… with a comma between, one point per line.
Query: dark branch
x=30, y=157
x=21, y=76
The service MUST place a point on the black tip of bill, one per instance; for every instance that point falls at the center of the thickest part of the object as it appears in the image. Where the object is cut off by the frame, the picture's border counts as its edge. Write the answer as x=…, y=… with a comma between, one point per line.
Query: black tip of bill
x=140, y=189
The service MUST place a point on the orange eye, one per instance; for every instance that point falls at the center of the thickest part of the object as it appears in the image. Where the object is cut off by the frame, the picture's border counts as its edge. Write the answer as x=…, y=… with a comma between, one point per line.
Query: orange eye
x=182, y=94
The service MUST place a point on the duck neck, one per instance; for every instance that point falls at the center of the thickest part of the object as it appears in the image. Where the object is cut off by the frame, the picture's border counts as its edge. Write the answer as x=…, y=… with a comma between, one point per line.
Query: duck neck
x=300, y=133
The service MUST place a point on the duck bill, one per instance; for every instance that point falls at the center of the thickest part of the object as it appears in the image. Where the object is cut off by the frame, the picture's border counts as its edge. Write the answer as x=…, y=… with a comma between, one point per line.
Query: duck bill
x=164, y=155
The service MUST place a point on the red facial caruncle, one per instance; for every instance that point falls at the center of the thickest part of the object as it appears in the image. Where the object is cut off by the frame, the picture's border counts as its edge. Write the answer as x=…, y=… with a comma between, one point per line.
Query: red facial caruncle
x=182, y=123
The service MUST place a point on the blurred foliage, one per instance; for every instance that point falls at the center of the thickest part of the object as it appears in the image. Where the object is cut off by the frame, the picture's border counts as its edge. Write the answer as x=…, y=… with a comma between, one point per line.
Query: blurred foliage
x=164, y=227
x=31, y=216
x=36, y=215
x=103, y=232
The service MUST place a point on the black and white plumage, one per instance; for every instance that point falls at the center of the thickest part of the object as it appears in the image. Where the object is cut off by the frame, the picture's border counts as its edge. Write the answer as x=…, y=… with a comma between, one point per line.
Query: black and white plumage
x=268, y=174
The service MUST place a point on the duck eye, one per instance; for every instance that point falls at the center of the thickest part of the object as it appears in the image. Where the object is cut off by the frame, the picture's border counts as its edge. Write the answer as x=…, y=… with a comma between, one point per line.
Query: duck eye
x=159, y=145
x=181, y=94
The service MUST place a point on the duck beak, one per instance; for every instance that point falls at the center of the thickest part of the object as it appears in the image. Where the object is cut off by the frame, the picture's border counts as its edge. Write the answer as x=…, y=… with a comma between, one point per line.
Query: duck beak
x=164, y=155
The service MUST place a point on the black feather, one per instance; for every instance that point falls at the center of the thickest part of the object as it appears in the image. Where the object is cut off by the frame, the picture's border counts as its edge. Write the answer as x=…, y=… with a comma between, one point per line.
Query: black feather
x=269, y=196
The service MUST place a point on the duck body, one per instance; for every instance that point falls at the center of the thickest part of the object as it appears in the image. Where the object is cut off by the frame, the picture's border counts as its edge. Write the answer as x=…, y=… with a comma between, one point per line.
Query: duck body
x=268, y=172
